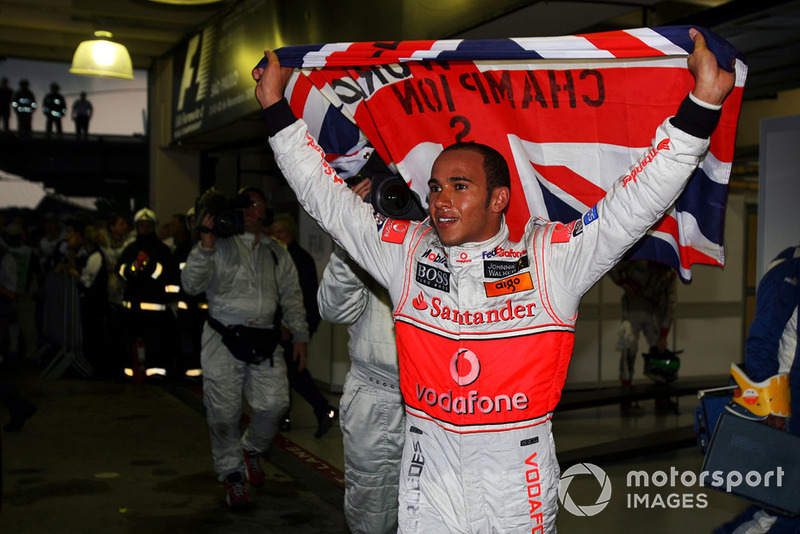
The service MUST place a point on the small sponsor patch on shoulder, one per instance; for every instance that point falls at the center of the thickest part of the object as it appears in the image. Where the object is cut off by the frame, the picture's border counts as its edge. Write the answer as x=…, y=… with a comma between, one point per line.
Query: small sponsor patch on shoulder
x=590, y=216
x=394, y=231
x=562, y=234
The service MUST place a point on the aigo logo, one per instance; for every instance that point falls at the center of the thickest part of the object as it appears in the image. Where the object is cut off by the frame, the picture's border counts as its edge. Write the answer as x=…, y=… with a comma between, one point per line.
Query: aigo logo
x=457, y=366
x=584, y=469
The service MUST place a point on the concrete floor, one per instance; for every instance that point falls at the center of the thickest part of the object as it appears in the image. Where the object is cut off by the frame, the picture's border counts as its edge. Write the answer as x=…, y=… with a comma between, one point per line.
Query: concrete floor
x=109, y=457
x=105, y=457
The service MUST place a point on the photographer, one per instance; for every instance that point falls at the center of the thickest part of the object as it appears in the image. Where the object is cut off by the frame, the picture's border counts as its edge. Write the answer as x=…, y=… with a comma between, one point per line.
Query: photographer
x=246, y=277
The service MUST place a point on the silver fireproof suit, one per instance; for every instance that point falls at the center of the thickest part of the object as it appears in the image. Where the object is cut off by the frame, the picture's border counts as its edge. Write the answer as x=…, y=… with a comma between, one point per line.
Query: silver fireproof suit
x=371, y=410
x=245, y=283
x=485, y=331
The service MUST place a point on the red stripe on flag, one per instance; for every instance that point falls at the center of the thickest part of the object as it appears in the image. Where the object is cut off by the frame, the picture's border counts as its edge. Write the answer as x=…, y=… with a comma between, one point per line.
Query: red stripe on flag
x=571, y=183
x=300, y=91
x=622, y=44
x=378, y=52
x=688, y=254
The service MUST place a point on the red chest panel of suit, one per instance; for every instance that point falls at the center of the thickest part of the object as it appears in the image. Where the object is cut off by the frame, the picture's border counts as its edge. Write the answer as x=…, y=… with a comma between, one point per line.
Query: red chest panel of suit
x=478, y=350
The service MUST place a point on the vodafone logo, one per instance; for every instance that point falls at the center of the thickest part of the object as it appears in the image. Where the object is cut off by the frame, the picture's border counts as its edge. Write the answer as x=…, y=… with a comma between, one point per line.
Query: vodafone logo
x=394, y=231
x=750, y=396
x=464, y=360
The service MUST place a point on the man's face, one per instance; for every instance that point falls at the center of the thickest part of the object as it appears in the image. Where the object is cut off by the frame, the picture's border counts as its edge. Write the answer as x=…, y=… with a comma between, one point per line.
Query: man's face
x=73, y=237
x=279, y=231
x=145, y=227
x=458, y=198
x=254, y=213
x=120, y=228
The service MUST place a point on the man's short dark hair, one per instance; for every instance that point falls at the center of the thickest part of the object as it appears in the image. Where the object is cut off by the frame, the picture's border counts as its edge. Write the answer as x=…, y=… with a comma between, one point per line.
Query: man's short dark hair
x=494, y=164
x=253, y=189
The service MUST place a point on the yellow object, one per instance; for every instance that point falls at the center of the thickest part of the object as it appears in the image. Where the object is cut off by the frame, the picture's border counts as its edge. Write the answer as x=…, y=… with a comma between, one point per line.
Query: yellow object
x=102, y=58
x=770, y=396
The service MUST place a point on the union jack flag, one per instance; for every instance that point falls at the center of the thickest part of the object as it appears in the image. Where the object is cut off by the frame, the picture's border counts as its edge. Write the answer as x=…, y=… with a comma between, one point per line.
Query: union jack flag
x=570, y=114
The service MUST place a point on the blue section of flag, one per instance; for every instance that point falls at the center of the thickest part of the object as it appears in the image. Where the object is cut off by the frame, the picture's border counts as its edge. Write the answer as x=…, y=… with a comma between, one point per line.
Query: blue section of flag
x=337, y=135
x=557, y=209
x=705, y=200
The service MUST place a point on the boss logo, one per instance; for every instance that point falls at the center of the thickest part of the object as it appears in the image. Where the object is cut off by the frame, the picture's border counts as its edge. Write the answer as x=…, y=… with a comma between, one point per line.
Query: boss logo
x=433, y=277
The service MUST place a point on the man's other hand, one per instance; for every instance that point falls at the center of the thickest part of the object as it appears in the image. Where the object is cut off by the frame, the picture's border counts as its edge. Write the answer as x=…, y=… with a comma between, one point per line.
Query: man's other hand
x=299, y=356
x=271, y=80
x=711, y=83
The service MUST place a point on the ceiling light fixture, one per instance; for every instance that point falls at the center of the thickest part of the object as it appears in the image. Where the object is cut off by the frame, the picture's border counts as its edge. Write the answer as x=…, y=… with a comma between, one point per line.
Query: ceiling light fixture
x=102, y=58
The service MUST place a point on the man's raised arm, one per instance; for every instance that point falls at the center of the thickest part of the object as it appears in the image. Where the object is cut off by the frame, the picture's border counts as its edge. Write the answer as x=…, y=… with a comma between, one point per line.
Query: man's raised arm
x=321, y=192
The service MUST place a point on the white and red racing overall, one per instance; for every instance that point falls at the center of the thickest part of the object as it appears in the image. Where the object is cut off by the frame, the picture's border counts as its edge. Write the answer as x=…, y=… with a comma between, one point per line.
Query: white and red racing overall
x=485, y=331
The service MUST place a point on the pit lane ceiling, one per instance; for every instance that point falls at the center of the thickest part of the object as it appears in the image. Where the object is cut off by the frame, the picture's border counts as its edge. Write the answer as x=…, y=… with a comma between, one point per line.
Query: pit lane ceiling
x=766, y=31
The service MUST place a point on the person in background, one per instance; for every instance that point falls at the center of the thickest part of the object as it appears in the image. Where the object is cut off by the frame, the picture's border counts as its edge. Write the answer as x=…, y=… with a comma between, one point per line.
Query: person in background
x=19, y=408
x=284, y=229
x=54, y=107
x=773, y=348
x=92, y=275
x=6, y=94
x=82, y=112
x=24, y=103
x=648, y=307
x=246, y=278
x=147, y=267
x=372, y=412
x=28, y=285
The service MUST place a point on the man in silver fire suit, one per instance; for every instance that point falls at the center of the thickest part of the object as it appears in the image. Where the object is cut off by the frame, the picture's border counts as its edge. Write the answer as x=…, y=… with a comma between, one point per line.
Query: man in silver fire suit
x=485, y=326
x=246, y=278
x=371, y=410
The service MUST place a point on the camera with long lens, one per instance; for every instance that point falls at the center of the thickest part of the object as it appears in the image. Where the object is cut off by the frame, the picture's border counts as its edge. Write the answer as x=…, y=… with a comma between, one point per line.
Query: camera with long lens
x=227, y=213
x=389, y=194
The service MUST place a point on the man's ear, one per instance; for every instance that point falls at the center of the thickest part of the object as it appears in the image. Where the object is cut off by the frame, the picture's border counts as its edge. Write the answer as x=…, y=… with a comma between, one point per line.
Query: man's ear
x=500, y=198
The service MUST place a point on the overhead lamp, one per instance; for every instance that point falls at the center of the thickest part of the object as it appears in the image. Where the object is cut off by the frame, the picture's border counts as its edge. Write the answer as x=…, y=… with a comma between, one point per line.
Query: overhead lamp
x=102, y=58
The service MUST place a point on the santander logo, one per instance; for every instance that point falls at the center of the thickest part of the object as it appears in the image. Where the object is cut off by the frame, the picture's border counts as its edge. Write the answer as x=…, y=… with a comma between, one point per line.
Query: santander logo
x=662, y=145
x=419, y=302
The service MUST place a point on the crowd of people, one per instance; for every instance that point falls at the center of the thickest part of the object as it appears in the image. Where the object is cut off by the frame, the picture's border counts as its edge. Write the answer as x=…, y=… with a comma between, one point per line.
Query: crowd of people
x=54, y=107
x=99, y=287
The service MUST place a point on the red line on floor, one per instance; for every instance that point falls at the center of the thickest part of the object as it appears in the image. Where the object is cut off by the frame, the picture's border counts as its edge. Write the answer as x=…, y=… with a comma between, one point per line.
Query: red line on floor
x=312, y=461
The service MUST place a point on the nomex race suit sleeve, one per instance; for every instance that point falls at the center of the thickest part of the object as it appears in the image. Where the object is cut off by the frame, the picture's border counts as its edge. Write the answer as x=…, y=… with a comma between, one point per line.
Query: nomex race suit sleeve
x=580, y=253
x=342, y=296
x=326, y=197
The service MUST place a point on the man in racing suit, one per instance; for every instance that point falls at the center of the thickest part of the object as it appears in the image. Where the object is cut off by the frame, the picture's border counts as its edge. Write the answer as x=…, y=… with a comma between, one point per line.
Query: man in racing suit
x=648, y=307
x=772, y=349
x=371, y=410
x=484, y=325
x=246, y=278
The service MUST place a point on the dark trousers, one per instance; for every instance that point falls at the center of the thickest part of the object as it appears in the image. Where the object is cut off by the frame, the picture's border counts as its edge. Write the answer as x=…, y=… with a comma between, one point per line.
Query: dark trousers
x=303, y=383
x=53, y=121
x=82, y=127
